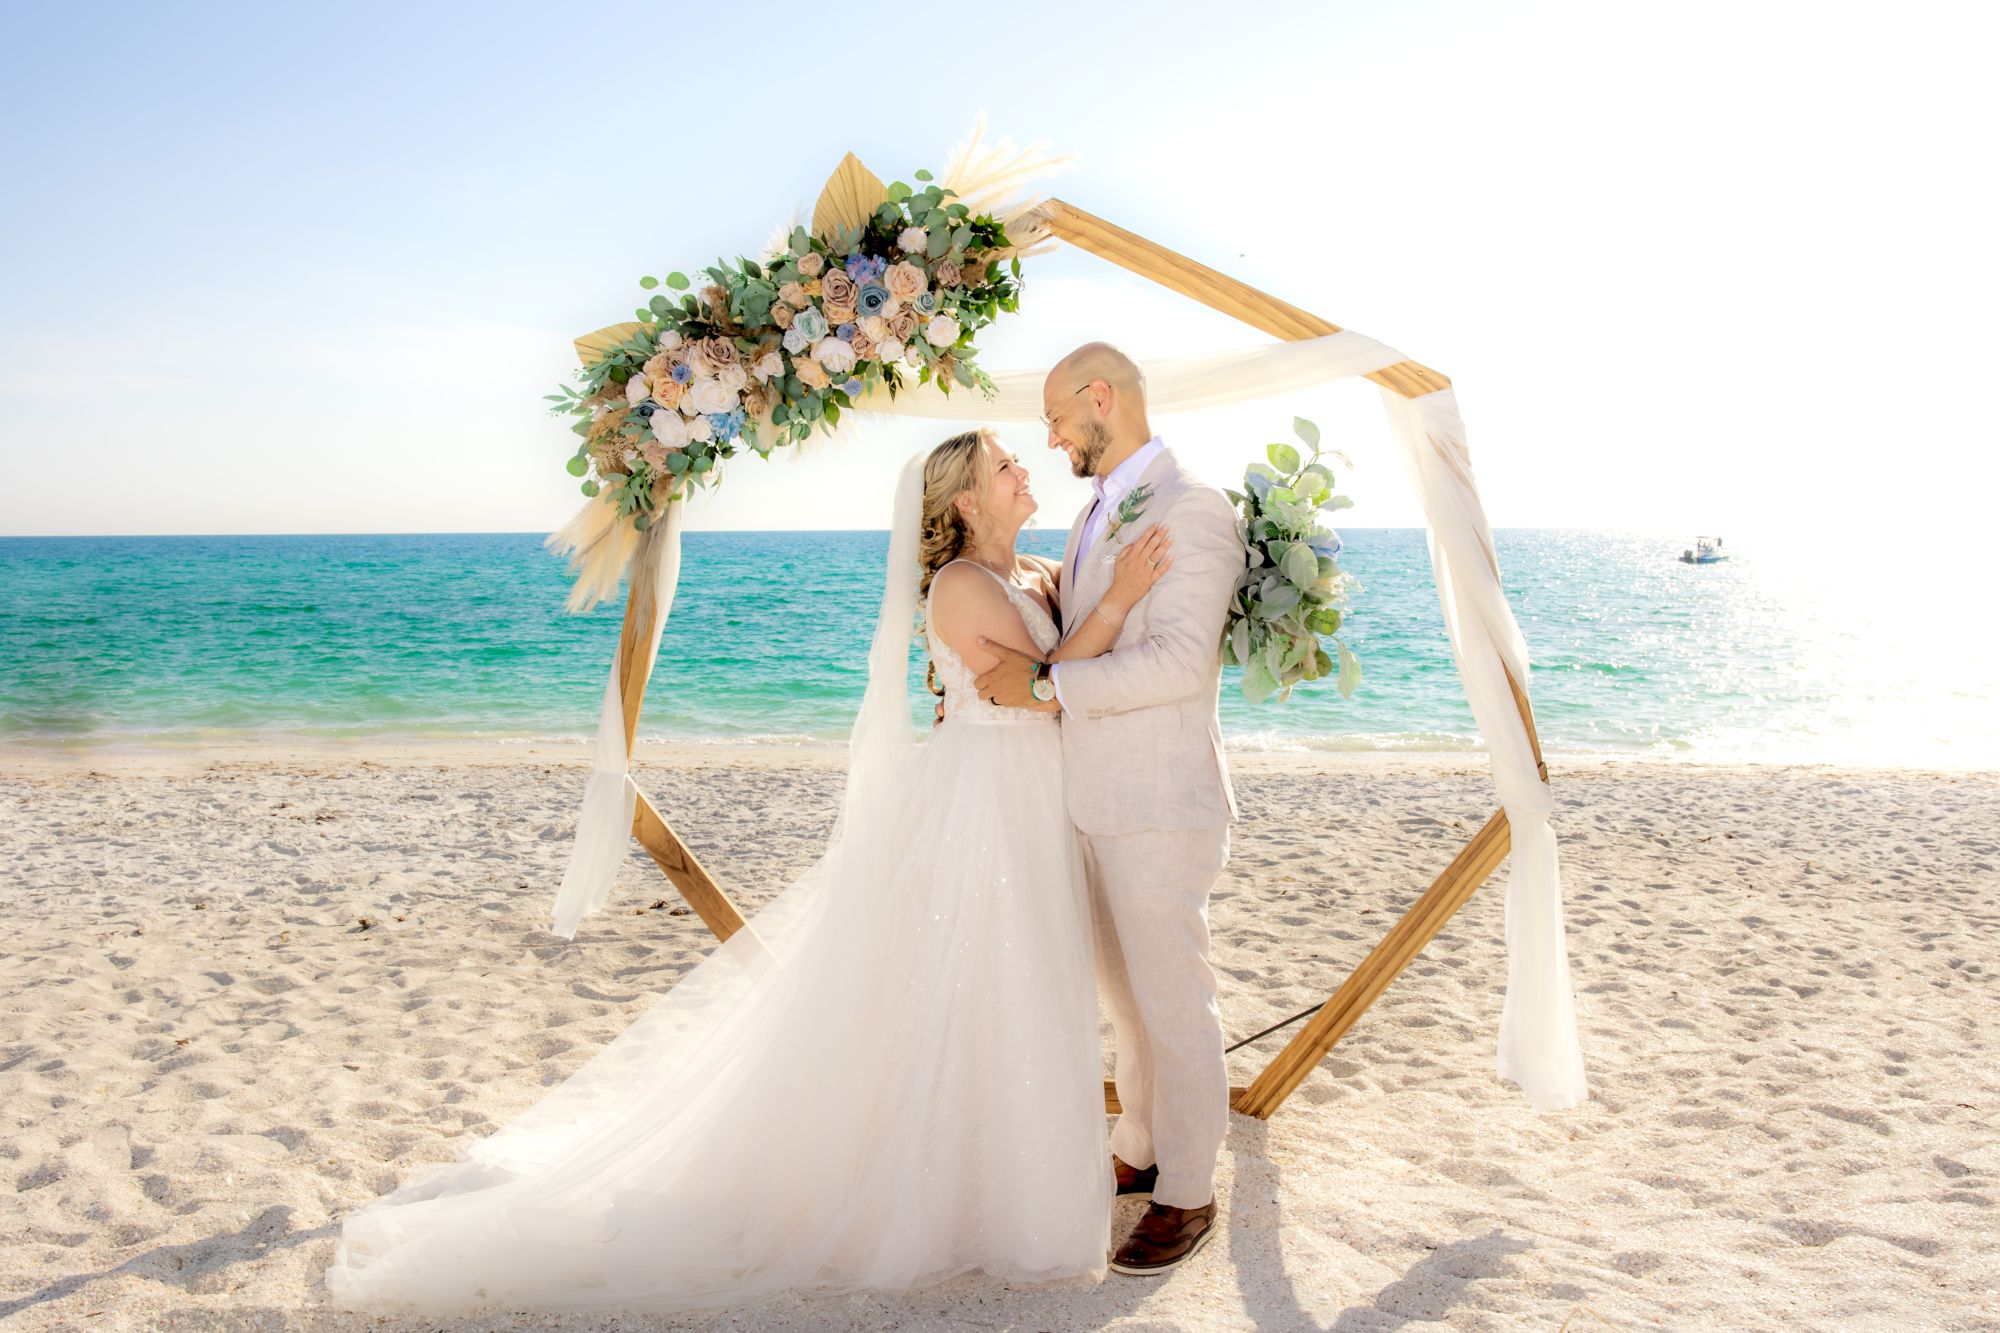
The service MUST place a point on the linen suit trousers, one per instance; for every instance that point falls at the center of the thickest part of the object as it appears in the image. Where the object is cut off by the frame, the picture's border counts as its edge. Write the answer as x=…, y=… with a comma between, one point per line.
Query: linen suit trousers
x=1149, y=907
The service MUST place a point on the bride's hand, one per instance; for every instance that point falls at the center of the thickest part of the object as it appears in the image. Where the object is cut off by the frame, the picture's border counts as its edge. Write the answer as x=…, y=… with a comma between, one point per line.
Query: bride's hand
x=1139, y=567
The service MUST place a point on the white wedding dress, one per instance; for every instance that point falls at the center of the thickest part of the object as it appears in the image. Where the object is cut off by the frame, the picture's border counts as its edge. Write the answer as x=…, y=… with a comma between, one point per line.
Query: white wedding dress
x=891, y=1076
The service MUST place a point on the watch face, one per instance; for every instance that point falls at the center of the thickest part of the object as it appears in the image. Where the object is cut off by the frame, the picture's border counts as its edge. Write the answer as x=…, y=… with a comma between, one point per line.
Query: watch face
x=1043, y=689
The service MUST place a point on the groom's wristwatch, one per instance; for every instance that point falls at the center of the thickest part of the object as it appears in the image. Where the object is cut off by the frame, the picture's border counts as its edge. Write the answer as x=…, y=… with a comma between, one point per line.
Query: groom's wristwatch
x=1043, y=686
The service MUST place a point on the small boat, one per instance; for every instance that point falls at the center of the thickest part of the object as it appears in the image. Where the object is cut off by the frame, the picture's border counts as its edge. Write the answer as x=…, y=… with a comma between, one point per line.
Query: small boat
x=1705, y=551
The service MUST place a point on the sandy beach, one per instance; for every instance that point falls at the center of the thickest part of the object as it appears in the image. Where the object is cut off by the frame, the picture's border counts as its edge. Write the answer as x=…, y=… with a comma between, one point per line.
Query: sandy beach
x=247, y=991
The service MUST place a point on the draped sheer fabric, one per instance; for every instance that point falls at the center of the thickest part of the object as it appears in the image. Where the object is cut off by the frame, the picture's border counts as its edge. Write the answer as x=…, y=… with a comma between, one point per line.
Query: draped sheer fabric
x=1538, y=1048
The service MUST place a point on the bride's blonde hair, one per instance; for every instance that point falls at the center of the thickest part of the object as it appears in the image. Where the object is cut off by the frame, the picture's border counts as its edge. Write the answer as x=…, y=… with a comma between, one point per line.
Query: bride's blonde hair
x=953, y=468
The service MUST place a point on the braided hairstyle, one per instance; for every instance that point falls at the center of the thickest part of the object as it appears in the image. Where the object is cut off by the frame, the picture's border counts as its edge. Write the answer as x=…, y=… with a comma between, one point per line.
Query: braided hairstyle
x=953, y=468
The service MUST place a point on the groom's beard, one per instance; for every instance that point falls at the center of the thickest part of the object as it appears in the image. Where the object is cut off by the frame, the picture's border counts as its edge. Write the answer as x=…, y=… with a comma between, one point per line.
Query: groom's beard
x=1096, y=439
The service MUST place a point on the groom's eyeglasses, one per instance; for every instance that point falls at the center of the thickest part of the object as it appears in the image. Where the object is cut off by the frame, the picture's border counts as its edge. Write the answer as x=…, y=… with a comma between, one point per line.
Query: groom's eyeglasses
x=1048, y=419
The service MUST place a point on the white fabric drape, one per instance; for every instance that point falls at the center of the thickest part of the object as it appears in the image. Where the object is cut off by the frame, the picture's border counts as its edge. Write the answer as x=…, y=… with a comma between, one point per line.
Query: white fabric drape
x=1538, y=1047
x=604, y=824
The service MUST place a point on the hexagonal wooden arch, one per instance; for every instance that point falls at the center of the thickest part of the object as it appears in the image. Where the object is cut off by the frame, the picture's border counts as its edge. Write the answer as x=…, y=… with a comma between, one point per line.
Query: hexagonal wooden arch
x=1447, y=893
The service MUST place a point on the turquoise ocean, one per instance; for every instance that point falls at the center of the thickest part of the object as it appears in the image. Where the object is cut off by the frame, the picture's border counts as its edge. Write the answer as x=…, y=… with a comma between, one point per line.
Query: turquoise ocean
x=214, y=640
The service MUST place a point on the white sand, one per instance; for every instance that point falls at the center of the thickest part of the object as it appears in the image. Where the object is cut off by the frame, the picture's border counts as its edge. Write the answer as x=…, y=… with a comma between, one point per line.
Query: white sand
x=1785, y=979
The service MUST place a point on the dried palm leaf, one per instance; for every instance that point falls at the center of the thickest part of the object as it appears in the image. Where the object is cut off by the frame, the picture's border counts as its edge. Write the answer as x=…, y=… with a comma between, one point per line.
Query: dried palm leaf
x=592, y=347
x=852, y=193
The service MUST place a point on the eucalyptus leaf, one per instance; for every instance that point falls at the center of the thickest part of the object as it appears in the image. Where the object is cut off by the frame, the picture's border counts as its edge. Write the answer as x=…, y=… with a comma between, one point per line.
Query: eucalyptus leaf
x=649, y=282
x=1258, y=683
x=1300, y=565
x=1350, y=672
x=677, y=281
x=577, y=466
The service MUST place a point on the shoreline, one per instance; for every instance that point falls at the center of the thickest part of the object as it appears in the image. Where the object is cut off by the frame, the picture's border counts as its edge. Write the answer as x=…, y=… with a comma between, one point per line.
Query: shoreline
x=140, y=758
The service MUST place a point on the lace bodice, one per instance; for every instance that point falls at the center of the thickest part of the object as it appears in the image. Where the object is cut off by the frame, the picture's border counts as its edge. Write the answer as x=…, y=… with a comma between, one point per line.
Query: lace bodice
x=960, y=699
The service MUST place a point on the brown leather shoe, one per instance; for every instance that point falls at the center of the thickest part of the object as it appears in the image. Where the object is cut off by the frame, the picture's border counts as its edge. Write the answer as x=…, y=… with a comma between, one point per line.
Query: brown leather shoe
x=1133, y=1179
x=1165, y=1238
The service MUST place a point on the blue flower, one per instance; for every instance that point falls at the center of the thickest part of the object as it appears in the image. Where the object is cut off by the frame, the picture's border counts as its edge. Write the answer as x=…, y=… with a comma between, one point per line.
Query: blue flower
x=683, y=374
x=646, y=409
x=853, y=386
x=873, y=297
x=865, y=268
x=726, y=425
x=845, y=333
x=926, y=304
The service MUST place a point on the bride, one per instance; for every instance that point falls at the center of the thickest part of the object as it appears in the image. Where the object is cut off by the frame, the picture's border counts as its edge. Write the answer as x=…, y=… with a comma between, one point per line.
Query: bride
x=892, y=1075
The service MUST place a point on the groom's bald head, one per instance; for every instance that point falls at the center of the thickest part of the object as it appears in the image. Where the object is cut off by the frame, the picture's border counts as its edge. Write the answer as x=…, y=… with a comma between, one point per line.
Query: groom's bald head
x=1094, y=405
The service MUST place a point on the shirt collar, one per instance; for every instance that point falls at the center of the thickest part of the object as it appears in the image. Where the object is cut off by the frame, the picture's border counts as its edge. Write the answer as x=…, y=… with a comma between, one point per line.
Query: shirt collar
x=1113, y=488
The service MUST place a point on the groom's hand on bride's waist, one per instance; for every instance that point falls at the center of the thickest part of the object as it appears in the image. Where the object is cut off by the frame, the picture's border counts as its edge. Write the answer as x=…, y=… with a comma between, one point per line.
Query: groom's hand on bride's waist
x=1009, y=683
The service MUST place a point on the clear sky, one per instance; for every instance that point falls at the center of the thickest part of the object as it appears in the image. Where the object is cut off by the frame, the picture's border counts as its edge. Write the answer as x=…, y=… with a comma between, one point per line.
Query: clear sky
x=1693, y=267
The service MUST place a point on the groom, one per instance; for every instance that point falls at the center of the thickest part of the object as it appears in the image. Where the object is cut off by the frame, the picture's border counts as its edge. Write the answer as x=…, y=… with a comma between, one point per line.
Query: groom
x=1148, y=789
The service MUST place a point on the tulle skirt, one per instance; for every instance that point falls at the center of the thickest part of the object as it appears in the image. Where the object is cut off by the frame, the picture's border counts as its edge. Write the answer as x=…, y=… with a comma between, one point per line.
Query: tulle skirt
x=890, y=1077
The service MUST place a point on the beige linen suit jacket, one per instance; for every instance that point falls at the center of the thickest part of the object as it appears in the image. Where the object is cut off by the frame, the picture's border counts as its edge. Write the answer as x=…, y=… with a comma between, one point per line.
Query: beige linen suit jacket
x=1142, y=741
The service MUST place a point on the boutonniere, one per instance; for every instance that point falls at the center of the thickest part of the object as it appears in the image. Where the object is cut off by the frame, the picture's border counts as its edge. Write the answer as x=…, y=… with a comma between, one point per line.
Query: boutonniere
x=1129, y=509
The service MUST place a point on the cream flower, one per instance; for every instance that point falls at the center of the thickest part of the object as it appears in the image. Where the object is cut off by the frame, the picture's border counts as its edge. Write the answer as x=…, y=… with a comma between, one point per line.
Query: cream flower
x=768, y=365
x=811, y=373
x=942, y=331
x=792, y=294
x=670, y=341
x=874, y=327
x=811, y=263
x=889, y=351
x=835, y=355
x=782, y=315
x=668, y=394
x=711, y=395
x=637, y=390
x=670, y=430
x=905, y=281
x=734, y=378
x=914, y=240
x=699, y=429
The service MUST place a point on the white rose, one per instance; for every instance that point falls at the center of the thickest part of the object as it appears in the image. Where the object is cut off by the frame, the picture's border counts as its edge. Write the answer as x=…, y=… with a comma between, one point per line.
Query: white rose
x=942, y=331
x=670, y=430
x=888, y=351
x=670, y=341
x=637, y=390
x=771, y=364
x=836, y=355
x=712, y=395
x=890, y=307
x=914, y=240
x=875, y=327
x=734, y=378
x=688, y=409
x=699, y=429
x=913, y=355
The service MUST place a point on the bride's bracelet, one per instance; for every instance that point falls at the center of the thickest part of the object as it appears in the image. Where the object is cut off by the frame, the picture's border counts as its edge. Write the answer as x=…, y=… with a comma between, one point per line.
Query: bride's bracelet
x=1116, y=625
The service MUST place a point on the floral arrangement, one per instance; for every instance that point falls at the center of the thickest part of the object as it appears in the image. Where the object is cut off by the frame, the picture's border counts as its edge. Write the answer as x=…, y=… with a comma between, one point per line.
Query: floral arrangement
x=767, y=352
x=1292, y=594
